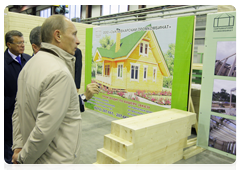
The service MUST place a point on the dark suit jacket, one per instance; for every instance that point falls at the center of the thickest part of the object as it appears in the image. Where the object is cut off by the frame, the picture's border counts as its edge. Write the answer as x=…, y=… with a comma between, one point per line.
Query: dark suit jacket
x=78, y=75
x=78, y=68
x=11, y=70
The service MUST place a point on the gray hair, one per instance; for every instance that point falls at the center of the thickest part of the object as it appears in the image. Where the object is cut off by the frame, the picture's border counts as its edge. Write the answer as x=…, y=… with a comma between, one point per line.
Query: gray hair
x=35, y=36
x=52, y=23
x=10, y=34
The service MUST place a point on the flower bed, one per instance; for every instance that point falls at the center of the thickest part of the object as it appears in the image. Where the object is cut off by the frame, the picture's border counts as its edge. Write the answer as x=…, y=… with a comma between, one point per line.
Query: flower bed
x=159, y=97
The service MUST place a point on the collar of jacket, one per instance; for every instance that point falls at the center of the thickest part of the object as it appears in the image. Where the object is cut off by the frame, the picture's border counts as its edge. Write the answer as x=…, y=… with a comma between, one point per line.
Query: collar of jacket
x=65, y=56
x=9, y=59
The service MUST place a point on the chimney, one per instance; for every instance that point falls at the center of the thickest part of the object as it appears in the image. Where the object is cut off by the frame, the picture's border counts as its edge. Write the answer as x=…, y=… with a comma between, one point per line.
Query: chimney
x=118, y=38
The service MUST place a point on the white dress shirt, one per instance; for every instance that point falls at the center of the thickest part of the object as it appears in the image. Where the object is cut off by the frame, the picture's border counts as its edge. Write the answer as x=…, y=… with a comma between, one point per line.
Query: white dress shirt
x=13, y=56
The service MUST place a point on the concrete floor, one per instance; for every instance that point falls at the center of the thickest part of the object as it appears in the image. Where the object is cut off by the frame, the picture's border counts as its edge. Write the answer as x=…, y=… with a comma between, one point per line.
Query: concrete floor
x=96, y=125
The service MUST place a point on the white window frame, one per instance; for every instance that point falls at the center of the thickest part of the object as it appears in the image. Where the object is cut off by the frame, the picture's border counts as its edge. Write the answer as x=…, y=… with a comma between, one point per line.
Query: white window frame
x=74, y=11
x=45, y=13
x=113, y=9
x=154, y=79
x=120, y=64
x=145, y=78
x=105, y=70
x=134, y=79
x=143, y=53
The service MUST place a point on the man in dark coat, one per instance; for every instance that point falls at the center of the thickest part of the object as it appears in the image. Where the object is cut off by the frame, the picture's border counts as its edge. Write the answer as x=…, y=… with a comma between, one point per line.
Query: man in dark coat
x=14, y=60
x=78, y=68
x=35, y=39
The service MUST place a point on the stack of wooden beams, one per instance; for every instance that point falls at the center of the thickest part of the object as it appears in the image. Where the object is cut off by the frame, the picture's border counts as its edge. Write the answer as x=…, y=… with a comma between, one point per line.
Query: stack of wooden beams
x=158, y=137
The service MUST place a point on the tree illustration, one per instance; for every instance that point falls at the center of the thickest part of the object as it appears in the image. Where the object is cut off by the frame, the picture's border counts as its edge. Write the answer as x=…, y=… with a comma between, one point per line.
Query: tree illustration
x=169, y=57
x=106, y=42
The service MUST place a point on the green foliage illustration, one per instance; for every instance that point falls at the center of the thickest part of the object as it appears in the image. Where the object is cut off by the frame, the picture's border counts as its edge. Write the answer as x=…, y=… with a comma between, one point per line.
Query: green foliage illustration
x=106, y=42
x=169, y=57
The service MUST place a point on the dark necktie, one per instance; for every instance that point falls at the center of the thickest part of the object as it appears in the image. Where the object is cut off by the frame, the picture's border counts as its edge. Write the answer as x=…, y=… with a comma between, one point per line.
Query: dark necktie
x=19, y=60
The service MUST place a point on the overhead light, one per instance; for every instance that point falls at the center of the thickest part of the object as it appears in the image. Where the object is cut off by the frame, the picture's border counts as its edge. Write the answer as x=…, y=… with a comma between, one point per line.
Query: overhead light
x=61, y=9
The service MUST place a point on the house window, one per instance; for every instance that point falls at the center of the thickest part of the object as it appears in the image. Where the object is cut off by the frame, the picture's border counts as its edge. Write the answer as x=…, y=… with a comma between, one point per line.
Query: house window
x=145, y=72
x=134, y=72
x=143, y=49
x=120, y=70
x=107, y=70
x=154, y=73
x=146, y=48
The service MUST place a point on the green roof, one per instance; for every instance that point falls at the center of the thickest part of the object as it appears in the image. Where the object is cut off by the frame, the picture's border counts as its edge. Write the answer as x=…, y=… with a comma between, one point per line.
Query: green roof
x=126, y=45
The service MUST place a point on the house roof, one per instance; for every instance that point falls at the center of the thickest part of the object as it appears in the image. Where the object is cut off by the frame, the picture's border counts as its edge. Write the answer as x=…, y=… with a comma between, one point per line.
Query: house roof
x=127, y=43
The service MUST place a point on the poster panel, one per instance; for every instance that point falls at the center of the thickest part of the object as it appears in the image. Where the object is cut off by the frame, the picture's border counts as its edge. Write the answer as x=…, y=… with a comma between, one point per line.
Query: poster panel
x=217, y=113
x=134, y=65
x=222, y=134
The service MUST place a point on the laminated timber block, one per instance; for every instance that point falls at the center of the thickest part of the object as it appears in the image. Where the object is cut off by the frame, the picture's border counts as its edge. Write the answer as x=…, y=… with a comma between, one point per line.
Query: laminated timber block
x=157, y=137
x=128, y=150
x=166, y=155
x=135, y=128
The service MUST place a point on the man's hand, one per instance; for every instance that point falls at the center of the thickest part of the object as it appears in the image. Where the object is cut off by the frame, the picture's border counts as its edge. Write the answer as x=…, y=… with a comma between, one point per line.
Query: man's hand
x=15, y=155
x=91, y=89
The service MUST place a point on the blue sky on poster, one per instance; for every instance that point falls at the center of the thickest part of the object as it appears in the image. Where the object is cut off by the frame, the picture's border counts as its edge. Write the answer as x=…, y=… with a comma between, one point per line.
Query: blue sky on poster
x=225, y=49
x=224, y=84
x=165, y=36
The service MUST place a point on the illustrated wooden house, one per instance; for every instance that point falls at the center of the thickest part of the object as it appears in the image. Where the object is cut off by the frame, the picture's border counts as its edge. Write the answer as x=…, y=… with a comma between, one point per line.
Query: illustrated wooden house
x=134, y=62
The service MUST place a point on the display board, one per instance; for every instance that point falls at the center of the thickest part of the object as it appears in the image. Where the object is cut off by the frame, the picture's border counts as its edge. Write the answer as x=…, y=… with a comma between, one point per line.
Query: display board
x=217, y=118
x=140, y=67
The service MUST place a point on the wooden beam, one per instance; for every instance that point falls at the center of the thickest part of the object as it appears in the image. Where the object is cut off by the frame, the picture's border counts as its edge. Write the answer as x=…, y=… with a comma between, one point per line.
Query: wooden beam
x=158, y=137
x=192, y=151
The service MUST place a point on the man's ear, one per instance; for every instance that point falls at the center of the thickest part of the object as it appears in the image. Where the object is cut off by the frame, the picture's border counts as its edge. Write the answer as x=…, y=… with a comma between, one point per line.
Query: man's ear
x=8, y=44
x=57, y=35
x=35, y=48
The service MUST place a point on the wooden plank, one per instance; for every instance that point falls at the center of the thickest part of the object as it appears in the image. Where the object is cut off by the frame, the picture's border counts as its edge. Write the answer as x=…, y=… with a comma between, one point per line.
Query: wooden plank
x=106, y=157
x=148, y=138
x=121, y=128
x=191, y=142
x=144, y=145
x=118, y=145
x=191, y=105
x=175, y=150
x=192, y=151
x=151, y=131
x=197, y=66
x=170, y=158
x=156, y=160
x=158, y=117
x=190, y=74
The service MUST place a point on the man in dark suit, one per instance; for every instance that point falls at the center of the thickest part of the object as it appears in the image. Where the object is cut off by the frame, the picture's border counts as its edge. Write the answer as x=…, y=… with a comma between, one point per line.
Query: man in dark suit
x=78, y=68
x=35, y=39
x=14, y=60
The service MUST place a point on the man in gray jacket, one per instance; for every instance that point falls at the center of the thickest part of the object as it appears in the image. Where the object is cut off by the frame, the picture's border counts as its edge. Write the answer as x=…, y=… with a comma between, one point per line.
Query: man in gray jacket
x=47, y=118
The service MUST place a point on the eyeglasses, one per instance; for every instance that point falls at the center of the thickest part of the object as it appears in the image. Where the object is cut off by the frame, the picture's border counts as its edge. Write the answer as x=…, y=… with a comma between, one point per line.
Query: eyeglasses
x=19, y=43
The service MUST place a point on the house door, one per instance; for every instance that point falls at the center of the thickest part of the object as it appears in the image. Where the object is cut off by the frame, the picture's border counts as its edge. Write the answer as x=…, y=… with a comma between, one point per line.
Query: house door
x=107, y=70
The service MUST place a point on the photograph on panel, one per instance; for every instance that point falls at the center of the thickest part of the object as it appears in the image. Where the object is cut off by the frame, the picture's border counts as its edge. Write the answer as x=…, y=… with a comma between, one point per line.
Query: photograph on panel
x=225, y=63
x=222, y=134
x=135, y=61
x=224, y=97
